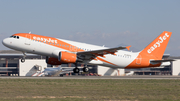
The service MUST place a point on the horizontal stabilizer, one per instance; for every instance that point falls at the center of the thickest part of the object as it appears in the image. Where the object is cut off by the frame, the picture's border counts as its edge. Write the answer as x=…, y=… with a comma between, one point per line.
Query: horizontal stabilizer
x=160, y=61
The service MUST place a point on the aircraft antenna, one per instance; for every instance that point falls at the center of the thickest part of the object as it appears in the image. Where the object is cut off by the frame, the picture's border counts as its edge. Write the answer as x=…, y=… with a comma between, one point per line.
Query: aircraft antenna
x=30, y=32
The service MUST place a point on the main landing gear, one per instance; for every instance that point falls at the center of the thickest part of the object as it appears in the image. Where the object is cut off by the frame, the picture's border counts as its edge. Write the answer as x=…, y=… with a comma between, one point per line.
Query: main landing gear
x=23, y=59
x=85, y=69
x=76, y=69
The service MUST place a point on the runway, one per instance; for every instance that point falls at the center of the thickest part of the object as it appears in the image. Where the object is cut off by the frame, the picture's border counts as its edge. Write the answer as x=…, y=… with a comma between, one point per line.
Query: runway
x=97, y=77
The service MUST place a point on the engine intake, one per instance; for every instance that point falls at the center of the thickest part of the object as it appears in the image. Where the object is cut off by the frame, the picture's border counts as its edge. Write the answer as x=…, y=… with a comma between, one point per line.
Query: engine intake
x=52, y=61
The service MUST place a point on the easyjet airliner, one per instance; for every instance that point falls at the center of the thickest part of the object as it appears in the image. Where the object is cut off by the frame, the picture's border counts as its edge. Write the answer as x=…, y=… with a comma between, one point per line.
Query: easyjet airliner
x=58, y=51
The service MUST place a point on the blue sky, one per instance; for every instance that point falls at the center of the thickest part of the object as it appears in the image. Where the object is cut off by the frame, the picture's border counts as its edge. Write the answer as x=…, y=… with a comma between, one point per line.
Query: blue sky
x=100, y=22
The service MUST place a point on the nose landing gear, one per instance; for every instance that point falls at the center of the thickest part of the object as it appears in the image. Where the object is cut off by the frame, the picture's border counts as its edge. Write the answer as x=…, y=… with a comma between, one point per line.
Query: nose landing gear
x=23, y=59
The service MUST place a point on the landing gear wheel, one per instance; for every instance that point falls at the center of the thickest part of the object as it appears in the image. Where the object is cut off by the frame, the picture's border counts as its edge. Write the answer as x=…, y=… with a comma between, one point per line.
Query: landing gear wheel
x=76, y=70
x=22, y=60
x=85, y=69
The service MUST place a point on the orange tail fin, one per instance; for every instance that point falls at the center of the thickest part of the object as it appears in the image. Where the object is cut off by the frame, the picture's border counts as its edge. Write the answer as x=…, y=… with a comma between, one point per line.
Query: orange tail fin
x=158, y=46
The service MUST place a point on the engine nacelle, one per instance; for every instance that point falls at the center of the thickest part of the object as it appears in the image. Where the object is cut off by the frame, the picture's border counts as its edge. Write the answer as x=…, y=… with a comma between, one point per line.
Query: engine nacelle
x=62, y=57
x=52, y=61
x=66, y=57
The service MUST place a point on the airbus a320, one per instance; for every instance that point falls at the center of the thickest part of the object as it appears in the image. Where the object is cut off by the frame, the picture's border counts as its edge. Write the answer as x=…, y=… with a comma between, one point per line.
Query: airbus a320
x=58, y=51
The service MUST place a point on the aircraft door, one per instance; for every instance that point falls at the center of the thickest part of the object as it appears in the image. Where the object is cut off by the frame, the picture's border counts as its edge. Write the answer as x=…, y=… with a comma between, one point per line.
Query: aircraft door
x=28, y=39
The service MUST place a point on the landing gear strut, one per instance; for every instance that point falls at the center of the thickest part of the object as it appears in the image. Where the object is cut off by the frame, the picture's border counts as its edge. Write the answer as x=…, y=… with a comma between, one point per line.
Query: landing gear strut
x=23, y=59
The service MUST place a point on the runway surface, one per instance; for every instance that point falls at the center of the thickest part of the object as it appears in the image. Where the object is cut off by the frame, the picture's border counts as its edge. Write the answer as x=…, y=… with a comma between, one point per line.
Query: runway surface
x=97, y=77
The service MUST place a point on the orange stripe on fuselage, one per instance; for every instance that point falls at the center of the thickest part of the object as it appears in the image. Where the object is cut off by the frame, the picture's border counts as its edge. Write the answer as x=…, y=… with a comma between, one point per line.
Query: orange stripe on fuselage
x=105, y=61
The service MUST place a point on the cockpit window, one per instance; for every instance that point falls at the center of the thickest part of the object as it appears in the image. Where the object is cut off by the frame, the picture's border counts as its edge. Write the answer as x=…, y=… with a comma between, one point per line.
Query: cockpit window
x=17, y=37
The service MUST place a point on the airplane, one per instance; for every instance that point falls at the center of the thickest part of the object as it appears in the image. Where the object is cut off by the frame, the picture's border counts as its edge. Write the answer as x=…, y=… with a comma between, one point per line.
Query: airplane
x=58, y=51
x=58, y=71
x=130, y=73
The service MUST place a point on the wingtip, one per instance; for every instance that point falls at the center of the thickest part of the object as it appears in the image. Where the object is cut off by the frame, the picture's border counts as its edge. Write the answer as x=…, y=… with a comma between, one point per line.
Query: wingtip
x=128, y=47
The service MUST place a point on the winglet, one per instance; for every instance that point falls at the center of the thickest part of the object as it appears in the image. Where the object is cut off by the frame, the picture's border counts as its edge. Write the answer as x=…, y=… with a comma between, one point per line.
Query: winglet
x=128, y=47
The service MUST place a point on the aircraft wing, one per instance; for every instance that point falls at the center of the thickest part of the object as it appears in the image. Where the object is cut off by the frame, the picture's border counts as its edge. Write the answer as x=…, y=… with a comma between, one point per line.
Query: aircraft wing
x=102, y=52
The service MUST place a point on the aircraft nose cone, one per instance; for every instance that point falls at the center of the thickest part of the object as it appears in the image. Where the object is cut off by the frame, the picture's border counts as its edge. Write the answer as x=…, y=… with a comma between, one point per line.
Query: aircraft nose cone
x=5, y=42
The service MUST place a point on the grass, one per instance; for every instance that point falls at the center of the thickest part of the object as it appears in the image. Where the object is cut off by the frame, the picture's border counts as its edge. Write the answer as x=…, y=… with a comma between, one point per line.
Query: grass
x=86, y=89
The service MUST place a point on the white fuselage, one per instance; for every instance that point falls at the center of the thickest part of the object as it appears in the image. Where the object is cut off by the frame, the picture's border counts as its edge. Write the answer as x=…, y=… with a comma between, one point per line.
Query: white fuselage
x=65, y=51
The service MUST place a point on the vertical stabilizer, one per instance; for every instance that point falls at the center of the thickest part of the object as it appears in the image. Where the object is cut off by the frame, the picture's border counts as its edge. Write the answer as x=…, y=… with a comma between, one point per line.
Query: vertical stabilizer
x=158, y=46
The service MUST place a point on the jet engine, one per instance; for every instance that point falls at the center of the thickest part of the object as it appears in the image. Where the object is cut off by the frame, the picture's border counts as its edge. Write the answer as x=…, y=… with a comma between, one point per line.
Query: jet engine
x=62, y=57
x=53, y=61
x=66, y=57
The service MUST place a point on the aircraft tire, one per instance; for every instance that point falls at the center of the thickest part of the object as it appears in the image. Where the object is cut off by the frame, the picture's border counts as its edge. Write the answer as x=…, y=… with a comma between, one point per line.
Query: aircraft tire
x=85, y=69
x=76, y=70
x=22, y=60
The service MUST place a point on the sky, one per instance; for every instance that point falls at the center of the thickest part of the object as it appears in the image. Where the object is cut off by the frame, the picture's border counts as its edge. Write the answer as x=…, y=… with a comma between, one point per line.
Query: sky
x=100, y=22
